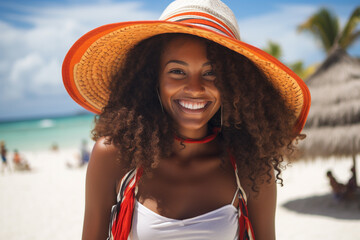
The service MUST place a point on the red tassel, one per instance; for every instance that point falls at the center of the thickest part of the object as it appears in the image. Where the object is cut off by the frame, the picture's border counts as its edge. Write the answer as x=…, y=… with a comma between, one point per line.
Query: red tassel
x=122, y=226
x=242, y=228
x=123, y=222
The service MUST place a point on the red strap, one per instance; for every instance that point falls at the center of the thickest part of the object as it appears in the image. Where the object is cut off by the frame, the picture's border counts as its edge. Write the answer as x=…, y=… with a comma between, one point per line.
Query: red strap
x=122, y=226
x=246, y=231
x=233, y=161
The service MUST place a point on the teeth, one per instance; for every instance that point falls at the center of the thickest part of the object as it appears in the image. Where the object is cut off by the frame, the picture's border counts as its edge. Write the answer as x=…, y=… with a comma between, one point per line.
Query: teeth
x=192, y=105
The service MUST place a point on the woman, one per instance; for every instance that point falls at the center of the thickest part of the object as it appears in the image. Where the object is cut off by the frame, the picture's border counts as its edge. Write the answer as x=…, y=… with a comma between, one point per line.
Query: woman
x=192, y=129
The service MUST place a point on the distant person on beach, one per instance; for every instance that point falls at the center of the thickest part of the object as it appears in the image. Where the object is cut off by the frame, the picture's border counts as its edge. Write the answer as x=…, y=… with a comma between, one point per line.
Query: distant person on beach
x=54, y=147
x=352, y=182
x=193, y=125
x=20, y=163
x=4, y=162
x=81, y=159
x=343, y=191
x=338, y=189
x=84, y=153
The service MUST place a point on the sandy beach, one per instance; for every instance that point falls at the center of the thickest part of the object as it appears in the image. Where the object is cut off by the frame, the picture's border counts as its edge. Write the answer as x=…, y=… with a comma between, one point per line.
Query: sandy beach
x=48, y=202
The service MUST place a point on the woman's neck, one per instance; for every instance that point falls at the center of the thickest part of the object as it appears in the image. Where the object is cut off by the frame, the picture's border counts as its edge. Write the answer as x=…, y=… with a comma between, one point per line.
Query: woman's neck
x=211, y=135
x=192, y=134
x=186, y=147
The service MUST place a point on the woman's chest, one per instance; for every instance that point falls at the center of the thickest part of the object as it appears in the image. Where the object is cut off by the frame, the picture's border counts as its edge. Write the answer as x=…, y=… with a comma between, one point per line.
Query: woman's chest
x=186, y=190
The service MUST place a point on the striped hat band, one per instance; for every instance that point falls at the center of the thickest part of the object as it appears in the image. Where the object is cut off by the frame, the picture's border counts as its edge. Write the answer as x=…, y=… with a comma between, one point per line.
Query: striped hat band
x=211, y=14
x=203, y=20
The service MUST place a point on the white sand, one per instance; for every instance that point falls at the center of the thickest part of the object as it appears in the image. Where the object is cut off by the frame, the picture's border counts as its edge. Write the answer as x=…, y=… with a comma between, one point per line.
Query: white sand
x=306, y=207
x=48, y=203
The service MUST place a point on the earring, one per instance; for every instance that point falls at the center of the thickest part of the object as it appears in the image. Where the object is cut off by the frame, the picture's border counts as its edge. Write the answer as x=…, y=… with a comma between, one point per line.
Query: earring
x=221, y=117
x=157, y=92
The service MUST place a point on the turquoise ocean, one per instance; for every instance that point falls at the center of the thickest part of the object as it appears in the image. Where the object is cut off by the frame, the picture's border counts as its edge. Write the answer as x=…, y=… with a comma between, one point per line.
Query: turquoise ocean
x=42, y=134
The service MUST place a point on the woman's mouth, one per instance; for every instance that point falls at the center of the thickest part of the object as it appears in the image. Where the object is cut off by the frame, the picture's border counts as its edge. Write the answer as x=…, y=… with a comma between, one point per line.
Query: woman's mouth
x=192, y=106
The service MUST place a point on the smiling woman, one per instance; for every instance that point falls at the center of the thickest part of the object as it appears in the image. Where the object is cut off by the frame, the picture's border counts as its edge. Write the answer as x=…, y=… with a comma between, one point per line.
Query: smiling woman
x=187, y=86
x=192, y=128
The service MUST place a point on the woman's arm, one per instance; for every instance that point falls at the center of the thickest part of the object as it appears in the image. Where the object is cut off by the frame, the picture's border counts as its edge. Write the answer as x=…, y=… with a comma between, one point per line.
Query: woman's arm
x=103, y=173
x=261, y=208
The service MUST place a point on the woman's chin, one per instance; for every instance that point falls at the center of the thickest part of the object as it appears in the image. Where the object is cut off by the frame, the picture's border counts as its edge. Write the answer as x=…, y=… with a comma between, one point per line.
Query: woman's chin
x=192, y=128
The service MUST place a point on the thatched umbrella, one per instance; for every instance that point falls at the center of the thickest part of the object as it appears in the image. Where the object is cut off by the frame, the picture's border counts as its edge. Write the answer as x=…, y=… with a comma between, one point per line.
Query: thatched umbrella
x=333, y=125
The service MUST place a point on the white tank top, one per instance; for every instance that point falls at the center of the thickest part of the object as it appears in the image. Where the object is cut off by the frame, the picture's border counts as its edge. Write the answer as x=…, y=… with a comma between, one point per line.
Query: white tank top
x=221, y=223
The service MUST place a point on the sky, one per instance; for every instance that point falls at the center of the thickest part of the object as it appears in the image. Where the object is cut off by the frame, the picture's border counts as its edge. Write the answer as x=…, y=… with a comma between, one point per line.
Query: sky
x=36, y=35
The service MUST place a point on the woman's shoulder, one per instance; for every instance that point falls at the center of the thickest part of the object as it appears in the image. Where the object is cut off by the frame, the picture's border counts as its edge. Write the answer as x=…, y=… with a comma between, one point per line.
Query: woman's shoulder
x=106, y=161
x=261, y=205
x=104, y=146
x=104, y=151
x=264, y=184
x=103, y=173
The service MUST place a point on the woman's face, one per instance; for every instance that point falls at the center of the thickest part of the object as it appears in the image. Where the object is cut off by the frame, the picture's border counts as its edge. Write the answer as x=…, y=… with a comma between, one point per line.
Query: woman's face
x=187, y=89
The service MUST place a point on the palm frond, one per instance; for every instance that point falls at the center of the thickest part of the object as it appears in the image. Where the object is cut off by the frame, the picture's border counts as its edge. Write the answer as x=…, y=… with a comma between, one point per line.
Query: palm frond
x=349, y=33
x=274, y=49
x=324, y=25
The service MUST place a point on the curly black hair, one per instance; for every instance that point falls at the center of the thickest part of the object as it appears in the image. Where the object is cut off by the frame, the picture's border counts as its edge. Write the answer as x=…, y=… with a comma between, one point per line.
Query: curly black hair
x=257, y=124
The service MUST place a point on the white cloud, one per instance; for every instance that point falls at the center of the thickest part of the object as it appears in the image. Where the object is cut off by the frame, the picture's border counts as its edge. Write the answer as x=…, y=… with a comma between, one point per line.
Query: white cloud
x=23, y=66
x=19, y=76
x=31, y=56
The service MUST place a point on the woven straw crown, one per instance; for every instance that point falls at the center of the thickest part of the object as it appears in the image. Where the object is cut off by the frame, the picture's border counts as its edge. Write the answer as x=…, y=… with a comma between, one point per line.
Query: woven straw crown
x=97, y=56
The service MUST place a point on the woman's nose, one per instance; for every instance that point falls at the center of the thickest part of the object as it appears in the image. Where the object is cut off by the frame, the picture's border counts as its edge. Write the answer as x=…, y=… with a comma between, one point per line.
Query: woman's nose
x=194, y=85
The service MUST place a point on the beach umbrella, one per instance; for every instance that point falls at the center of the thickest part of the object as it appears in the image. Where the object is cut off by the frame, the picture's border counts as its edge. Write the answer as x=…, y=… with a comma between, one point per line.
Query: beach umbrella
x=333, y=125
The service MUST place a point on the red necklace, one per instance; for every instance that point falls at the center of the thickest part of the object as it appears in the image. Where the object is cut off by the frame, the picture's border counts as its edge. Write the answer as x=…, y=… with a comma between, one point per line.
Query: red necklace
x=206, y=139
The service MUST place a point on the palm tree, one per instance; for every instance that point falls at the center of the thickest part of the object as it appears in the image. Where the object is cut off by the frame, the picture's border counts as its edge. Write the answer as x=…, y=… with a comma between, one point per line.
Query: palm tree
x=325, y=26
x=274, y=49
x=349, y=34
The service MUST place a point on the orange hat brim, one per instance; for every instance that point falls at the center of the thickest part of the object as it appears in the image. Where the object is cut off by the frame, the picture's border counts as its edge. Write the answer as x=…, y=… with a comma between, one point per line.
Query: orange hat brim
x=97, y=56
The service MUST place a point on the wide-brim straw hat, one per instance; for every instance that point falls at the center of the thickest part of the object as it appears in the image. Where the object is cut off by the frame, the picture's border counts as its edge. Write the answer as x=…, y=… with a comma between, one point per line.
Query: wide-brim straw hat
x=98, y=55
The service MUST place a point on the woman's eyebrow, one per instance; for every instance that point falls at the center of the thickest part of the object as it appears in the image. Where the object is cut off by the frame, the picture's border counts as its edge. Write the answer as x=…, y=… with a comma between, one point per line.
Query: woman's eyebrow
x=184, y=63
x=177, y=61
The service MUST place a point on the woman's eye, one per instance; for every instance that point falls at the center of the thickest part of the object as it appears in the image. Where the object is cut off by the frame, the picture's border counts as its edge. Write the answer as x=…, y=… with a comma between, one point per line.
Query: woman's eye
x=210, y=75
x=177, y=71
